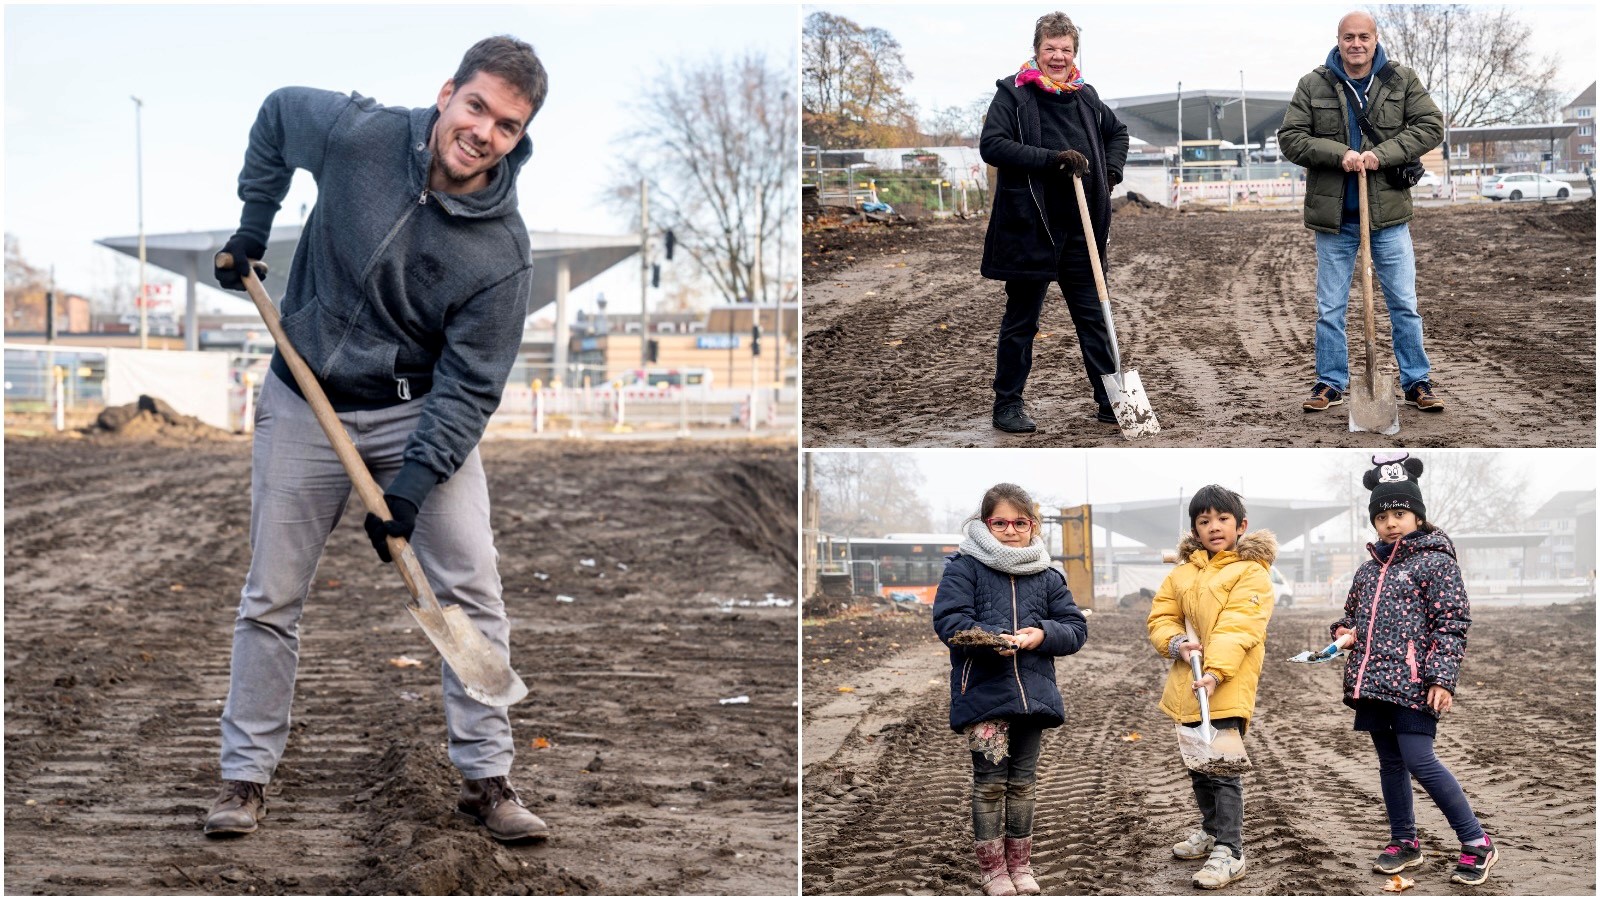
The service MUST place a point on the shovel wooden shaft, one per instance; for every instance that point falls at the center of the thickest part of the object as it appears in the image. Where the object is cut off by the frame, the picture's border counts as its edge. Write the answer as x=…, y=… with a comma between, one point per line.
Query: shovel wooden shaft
x=1094, y=266
x=1371, y=320
x=405, y=559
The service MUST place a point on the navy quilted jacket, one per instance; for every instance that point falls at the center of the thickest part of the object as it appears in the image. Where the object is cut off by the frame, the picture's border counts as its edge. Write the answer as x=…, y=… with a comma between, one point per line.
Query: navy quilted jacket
x=984, y=684
x=1410, y=615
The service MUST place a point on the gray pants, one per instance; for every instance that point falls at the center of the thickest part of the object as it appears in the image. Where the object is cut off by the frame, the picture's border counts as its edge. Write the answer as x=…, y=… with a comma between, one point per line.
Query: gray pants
x=298, y=491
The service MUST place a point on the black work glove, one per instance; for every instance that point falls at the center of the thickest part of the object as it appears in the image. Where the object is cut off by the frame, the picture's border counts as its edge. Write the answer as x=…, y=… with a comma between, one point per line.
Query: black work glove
x=1114, y=177
x=1074, y=162
x=401, y=526
x=244, y=249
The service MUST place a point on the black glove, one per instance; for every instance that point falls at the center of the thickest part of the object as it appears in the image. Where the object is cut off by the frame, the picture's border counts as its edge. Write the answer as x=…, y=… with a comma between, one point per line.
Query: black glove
x=244, y=249
x=1074, y=162
x=401, y=526
x=1114, y=177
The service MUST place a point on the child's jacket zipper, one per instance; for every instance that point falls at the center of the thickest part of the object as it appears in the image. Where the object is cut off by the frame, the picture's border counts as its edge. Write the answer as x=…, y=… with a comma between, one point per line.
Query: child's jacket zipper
x=1015, y=669
x=1377, y=594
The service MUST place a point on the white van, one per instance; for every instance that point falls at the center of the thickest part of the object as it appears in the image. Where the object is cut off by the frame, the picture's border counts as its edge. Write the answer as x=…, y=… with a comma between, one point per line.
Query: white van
x=1281, y=587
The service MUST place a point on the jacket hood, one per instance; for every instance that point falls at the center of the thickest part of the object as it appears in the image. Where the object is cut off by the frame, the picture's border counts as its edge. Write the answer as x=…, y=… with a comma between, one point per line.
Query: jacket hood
x=1335, y=62
x=499, y=198
x=1432, y=542
x=1256, y=546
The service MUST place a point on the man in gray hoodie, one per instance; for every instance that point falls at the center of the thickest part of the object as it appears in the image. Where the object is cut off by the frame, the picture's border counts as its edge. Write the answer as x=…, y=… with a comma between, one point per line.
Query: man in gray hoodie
x=406, y=297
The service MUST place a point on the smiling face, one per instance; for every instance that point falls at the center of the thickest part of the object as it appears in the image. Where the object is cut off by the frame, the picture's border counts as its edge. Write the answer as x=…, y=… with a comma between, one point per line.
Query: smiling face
x=1394, y=524
x=479, y=123
x=1218, y=531
x=1358, y=42
x=1056, y=56
x=1008, y=533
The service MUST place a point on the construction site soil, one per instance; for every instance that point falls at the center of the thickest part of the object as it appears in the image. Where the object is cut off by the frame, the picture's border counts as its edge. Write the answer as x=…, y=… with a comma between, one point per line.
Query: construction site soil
x=647, y=584
x=1216, y=311
x=885, y=800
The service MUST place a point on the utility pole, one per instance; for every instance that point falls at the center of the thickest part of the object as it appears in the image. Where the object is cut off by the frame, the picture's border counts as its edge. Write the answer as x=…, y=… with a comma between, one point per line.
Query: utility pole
x=1449, y=186
x=644, y=274
x=1244, y=117
x=138, y=137
x=1178, y=194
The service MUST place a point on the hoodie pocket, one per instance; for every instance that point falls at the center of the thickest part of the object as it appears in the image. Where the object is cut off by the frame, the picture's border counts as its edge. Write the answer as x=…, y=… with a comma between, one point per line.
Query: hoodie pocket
x=1411, y=660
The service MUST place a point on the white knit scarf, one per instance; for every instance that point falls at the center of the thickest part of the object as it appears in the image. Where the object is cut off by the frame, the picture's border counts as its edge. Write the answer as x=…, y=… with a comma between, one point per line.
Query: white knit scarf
x=983, y=546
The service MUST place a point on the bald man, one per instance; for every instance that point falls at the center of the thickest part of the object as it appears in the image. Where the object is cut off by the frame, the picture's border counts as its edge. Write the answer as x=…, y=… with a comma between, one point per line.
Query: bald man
x=1322, y=131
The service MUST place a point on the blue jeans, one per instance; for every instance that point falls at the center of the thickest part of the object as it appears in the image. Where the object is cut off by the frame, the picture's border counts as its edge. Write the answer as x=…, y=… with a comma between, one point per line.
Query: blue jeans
x=1395, y=266
x=1007, y=788
x=1402, y=757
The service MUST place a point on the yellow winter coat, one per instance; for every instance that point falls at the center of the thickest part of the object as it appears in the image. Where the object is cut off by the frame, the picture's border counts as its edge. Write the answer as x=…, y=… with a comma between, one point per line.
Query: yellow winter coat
x=1227, y=598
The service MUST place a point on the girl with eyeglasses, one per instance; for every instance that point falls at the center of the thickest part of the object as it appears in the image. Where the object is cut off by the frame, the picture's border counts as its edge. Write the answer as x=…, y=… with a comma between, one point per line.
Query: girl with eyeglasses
x=1006, y=614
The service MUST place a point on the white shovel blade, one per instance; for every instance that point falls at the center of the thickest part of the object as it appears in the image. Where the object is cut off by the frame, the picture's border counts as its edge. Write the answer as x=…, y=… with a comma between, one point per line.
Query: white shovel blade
x=1130, y=405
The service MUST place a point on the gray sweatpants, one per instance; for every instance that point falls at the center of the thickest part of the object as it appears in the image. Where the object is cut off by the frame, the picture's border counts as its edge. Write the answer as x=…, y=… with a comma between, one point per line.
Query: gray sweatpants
x=298, y=491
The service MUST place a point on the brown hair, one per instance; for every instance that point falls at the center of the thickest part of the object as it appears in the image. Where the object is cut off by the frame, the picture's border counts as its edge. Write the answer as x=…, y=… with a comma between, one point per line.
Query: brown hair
x=1007, y=493
x=1053, y=25
x=510, y=59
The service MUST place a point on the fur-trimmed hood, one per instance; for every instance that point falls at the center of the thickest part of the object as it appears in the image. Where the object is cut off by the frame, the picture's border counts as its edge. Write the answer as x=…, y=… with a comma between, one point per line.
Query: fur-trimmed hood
x=1255, y=546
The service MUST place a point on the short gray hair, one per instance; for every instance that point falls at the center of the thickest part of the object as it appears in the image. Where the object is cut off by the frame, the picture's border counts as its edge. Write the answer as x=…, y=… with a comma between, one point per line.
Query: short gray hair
x=1053, y=25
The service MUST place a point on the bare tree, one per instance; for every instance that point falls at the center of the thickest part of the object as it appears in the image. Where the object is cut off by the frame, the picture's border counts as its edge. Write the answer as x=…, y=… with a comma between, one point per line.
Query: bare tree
x=715, y=143
x=871, y=494
x=1465, y=493
x=1495, y=77
x=850, y=85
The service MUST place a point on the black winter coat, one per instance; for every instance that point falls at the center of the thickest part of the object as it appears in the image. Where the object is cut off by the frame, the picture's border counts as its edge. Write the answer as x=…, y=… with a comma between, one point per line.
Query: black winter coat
x=1019, y=243
x=984, y=684
x=1410, y=615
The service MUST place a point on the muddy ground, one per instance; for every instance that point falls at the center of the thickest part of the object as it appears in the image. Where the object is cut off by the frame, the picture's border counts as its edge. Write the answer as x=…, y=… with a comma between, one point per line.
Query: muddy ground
x=124, y=558
x=886, y=782
x=1216, y=312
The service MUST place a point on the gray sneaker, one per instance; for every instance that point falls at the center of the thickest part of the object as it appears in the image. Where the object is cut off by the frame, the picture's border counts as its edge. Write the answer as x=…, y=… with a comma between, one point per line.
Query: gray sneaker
x=1195, y=846
x=1220, y=870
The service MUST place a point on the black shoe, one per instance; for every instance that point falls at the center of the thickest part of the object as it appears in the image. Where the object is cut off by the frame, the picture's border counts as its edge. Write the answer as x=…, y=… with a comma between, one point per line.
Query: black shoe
x=1322, y=397
x=1397, y=856
x=1104, y=414
x=1475, y=863
x=1013, y=419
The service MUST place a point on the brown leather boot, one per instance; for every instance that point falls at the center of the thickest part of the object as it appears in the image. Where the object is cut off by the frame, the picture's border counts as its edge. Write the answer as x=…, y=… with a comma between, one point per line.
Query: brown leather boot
x=1018, y=850
x=494, y=804
x=237, y=808
x=992, y=861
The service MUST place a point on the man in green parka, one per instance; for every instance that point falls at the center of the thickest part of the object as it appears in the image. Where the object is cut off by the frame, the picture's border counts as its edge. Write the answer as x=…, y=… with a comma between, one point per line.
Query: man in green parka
x=1322, y=132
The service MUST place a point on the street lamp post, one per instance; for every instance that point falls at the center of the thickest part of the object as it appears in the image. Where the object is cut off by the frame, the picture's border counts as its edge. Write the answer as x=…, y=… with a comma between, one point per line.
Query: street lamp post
x=138, y=137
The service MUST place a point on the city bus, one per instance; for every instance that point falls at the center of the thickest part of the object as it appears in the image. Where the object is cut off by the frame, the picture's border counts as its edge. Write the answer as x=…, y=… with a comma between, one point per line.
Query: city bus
x=898, y=567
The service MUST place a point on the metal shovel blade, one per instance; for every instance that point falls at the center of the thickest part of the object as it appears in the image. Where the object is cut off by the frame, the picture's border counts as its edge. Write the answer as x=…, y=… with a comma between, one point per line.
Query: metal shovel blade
x=1130, y=405
x=1221, y=753
x=1372, y=405
x=487, y=678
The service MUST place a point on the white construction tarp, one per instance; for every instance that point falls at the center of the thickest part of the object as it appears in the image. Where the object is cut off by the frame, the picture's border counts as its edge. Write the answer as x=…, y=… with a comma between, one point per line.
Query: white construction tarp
x=195, y=383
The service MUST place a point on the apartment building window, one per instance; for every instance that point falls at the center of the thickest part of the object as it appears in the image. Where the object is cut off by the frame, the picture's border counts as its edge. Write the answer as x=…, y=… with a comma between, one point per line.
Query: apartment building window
x=1585, y=130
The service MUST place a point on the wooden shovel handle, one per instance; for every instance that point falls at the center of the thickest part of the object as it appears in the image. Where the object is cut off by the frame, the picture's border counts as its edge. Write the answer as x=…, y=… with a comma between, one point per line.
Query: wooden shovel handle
x=1366, y=283
x=1094, y=266
x=405, y=559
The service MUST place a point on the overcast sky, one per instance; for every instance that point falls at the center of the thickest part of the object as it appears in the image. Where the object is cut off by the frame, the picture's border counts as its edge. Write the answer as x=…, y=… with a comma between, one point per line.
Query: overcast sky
x=957, y=479
x=954, y=53
x=203, y=70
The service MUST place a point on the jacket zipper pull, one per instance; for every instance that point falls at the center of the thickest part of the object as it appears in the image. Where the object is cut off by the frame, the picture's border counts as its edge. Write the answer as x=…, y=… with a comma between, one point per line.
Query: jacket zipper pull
x=404, y=388
x=422, y=199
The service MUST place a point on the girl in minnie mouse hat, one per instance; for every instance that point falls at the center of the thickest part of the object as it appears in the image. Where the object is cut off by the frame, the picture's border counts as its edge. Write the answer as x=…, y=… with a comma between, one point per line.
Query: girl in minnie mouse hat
x=1409, y=614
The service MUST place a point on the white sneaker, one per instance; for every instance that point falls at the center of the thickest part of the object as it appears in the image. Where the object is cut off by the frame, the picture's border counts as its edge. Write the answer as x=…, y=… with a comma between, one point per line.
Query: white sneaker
x=1221, y=869
x=1195, y=846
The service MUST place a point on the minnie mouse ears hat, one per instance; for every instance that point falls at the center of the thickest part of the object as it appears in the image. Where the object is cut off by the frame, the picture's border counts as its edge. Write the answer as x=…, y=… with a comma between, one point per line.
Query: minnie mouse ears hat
x=1393, y=483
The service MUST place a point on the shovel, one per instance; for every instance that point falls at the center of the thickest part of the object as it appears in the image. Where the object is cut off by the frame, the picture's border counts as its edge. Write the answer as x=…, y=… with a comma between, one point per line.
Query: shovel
x=487, y=678
x=1372, y=396
x=1126, y=391
x=1326, y=653
x=1208, y=750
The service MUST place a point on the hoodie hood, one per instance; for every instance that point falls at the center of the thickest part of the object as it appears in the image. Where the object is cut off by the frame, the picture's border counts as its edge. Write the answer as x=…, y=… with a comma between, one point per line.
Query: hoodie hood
x=1431, y=542
x=499, y=198
x=1335, y=62
x=1256, y=546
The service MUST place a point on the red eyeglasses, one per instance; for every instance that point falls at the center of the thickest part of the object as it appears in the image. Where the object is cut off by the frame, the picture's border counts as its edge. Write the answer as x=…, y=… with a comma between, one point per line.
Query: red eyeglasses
x=998, y=524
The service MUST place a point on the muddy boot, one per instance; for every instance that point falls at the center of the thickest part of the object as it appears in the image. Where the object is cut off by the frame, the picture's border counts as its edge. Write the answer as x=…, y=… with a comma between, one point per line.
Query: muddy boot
x=1018, y=850
x=995, y=879
x=494, y=804
x=237, y=808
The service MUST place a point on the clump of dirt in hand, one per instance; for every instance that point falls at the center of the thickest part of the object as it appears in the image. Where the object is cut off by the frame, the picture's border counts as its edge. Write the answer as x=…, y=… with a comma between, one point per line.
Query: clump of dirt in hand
x=977, y=637
x=151, y=417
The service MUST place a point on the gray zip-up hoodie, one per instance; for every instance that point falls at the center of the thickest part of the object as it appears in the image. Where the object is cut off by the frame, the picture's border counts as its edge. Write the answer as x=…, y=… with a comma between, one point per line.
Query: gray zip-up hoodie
x=395, y=291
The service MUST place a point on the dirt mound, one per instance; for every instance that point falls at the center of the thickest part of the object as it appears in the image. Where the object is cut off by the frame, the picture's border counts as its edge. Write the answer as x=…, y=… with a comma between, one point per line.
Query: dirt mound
x=1134, y=203
x=151, y=417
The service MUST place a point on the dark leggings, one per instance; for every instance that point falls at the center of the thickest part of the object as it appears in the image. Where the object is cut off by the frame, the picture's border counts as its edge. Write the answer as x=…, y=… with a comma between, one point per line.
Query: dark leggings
x=1402, y=757
x=1010, y=783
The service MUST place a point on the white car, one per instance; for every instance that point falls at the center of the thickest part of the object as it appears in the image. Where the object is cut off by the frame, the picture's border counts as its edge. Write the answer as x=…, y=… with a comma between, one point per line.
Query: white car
x=1525, y=185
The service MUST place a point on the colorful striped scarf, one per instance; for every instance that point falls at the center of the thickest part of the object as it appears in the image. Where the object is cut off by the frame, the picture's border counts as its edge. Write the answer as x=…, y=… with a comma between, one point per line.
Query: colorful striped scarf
x=1030, y=74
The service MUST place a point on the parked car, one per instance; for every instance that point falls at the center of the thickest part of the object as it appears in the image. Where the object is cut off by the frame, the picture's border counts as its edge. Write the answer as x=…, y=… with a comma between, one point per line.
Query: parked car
x=1428, y=180
x=1281, y=587
x=1525, y=185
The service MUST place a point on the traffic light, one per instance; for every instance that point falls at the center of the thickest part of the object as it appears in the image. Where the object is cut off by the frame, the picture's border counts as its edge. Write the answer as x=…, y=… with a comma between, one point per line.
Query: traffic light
x=654, y=351
x=672, y=241
x=655, y=275
x=755, y=339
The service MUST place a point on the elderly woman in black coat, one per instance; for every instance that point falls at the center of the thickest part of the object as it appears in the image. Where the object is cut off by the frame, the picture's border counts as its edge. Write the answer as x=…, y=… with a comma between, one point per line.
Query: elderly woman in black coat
x=1044, y=126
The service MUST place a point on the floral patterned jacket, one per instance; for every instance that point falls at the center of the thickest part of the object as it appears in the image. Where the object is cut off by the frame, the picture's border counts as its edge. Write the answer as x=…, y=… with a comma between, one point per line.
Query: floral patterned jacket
x=1410, y=614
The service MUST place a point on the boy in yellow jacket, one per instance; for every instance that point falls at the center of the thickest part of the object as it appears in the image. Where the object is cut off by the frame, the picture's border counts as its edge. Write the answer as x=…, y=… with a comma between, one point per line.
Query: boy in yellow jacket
x=1221, y=587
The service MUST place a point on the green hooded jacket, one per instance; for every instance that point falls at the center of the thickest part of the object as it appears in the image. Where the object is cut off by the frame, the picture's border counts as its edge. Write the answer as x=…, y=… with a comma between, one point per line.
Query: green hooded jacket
x=1315, y=135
